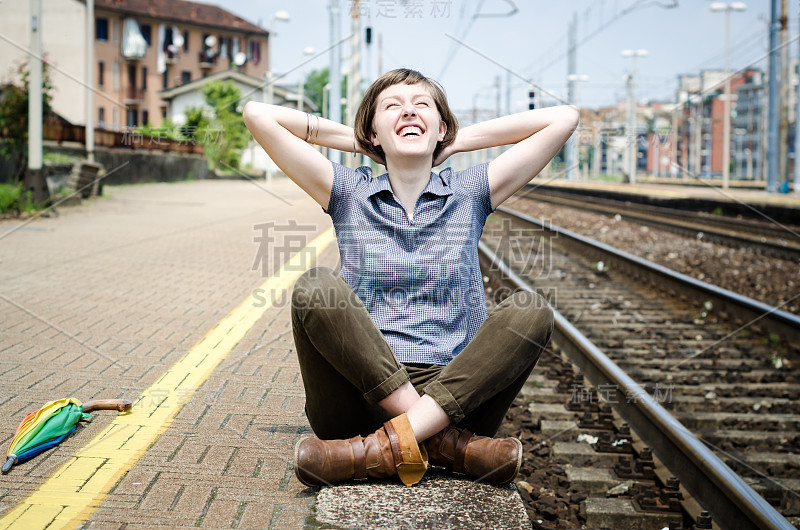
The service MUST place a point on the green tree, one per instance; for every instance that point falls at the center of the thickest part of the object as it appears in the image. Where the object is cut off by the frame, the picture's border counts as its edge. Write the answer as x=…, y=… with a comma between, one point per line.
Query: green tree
x=14, y=117
x=314, y=87
x=220, y=127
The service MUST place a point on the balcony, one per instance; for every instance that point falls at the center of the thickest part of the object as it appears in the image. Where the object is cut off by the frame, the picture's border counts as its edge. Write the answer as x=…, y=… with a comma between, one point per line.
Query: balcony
x=171, y=55
x=134, y=96
x=207, y=60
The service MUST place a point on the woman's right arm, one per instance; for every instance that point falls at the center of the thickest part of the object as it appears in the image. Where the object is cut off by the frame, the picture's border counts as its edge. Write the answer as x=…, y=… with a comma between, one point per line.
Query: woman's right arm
x=282, y=133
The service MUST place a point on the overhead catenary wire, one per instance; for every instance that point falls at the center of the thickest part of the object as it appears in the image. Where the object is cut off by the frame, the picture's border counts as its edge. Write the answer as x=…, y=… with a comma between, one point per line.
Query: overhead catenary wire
x=637, y=4
x=740, y=70
x=478, y=14
x=454, y=45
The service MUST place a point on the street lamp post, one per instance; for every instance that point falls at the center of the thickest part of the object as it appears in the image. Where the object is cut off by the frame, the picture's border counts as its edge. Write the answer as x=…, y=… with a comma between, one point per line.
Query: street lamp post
x=633, y=138
x=726, y=127
x=269, y=91
x=283, y=16
x=308, y=50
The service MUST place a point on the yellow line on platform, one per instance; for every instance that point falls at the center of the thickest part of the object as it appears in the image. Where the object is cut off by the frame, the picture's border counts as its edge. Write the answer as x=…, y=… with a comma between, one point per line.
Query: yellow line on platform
x=78, y=488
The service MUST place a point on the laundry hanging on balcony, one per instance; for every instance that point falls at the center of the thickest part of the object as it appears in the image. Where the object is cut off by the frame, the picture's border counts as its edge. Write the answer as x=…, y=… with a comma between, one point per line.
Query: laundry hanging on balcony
x=170, y=42
x=134, y=46
x=161, y=50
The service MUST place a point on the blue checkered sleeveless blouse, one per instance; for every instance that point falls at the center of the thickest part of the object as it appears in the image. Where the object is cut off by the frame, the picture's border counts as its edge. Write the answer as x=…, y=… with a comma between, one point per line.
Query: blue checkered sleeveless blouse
x=419, y=280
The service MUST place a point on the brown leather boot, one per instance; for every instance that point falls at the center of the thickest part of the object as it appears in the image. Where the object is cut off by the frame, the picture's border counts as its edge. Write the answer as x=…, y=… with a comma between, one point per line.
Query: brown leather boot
x=390, y=450
x=488, y=459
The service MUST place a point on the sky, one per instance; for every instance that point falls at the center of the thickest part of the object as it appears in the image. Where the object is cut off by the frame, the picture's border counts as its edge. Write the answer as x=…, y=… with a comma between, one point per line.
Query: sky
x=531, y=43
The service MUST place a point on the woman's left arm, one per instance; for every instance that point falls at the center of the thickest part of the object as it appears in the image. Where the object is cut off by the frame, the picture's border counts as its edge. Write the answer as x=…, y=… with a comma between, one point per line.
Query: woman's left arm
x=537, y=136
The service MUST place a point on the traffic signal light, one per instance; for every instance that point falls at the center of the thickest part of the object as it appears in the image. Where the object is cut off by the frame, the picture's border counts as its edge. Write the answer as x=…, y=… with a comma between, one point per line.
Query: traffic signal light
x=531, y=100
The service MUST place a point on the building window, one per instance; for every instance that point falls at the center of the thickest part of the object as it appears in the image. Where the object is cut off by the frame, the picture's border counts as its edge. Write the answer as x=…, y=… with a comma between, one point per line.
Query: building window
x=132, y=117
x=185, y=41
x=147, y=33
x=101, y=70
x=116, y=75
x=144, y=78
x=115, y=30
x=101, y=117
x=145, y=117
x=224, y=47
x=101, y=29
x=186, y=76
x=163, y=113
x=254, y=51
x=132, y=78
x=164, y=80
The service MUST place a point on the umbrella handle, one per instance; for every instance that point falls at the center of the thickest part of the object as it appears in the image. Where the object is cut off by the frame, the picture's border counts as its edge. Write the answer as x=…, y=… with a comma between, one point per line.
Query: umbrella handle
x=12, y=459
x=121, y=405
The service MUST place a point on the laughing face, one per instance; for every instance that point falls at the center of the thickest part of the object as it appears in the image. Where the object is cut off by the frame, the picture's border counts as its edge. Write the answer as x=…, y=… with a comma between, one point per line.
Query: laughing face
x=406, y=122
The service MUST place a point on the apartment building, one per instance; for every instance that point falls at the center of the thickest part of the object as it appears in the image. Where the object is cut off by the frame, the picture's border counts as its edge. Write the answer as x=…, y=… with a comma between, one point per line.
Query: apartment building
x=141, y=48
x=701, y=119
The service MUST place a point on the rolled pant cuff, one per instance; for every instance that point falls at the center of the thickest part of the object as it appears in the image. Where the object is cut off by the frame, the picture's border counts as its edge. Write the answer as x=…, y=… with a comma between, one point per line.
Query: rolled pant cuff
x=445, y=399
x=392, y=383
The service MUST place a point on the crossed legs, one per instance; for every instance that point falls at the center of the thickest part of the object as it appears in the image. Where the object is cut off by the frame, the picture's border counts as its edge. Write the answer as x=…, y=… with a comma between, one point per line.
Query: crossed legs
x=354, y=384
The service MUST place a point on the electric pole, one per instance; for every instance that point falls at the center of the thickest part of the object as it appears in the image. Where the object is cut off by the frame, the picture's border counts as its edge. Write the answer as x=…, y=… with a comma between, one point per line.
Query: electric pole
x=34, y=180
x=569, y=158
x=89, y=80
x=335, y=74
x=797, y=136
x=354, y=79
x=698, y=135
x=783, y=134
x=774, y=96
x=633, y=137
x=380, y=55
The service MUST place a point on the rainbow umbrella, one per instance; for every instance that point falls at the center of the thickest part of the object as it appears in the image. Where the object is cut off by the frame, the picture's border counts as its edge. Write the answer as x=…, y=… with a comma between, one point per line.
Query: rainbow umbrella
x=49, y=425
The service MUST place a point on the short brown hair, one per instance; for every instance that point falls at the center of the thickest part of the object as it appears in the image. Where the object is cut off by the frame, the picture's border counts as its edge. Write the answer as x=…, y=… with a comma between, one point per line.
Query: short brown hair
x=366, y=110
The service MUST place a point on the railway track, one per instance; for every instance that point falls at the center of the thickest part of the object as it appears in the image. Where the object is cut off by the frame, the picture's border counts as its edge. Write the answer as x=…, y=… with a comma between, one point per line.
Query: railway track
x=648, y=339
x=768, y=238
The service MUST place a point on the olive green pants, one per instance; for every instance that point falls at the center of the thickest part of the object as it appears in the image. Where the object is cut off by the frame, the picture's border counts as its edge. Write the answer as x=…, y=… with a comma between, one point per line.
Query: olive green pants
x=348, y=367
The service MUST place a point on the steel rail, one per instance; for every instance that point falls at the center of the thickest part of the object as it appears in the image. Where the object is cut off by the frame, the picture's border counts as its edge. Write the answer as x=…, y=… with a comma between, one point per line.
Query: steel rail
x=684, y=220
x=748, y=310
x=730, y=500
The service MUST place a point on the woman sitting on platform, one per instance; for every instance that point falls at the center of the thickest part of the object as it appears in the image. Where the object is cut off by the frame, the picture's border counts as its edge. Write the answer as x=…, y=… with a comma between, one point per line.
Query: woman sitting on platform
x=400, y=361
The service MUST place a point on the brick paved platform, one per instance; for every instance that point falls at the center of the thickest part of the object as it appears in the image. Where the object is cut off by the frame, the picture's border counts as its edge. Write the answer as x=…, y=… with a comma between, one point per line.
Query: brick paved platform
x=105, y=298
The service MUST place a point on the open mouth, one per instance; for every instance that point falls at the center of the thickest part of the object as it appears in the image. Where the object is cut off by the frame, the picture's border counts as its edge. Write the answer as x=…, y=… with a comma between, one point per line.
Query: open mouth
x=410, y=131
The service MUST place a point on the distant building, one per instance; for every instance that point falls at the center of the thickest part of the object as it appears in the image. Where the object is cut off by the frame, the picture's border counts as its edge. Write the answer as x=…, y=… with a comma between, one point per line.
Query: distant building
x=608, y=143
x=701, y=120
x=661, y=140
x=141, y=48
x=747, y=128
x=190, y=94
